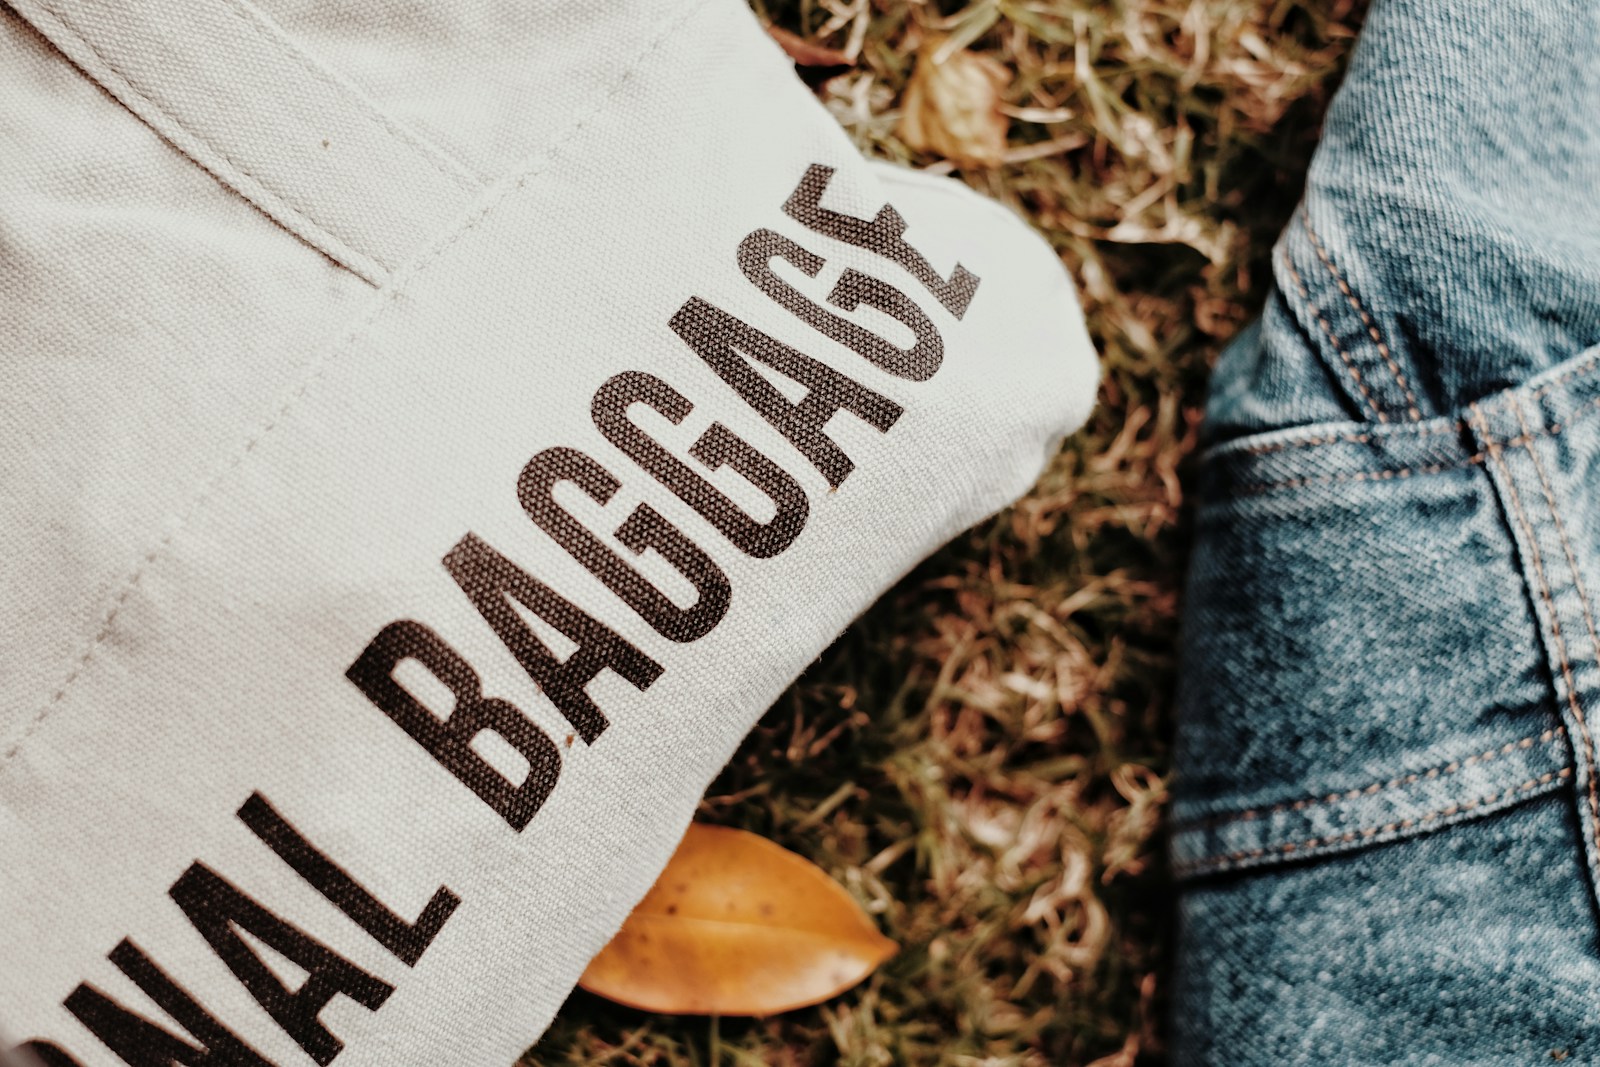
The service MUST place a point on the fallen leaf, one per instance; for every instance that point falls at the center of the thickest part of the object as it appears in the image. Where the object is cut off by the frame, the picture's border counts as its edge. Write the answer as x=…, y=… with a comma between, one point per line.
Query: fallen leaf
x=737, y=925
x=952, y=106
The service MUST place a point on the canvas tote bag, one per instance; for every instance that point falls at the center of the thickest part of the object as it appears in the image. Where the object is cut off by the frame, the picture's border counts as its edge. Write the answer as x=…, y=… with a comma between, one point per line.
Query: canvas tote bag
x=429, y=440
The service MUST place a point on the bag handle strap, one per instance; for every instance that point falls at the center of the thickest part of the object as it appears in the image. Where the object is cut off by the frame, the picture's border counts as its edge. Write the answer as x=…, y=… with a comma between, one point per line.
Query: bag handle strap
x=226, y=86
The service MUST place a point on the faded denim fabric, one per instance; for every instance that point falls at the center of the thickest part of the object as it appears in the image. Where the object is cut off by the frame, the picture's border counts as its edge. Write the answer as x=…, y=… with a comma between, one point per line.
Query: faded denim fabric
x=1386, y=820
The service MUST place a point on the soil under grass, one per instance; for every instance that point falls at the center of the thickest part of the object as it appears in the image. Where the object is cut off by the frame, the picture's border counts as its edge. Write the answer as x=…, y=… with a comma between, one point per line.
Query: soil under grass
x=983, y=758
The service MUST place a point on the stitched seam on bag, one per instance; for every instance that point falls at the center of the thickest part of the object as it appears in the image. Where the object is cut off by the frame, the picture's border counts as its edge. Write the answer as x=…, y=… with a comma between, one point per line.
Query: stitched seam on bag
x=1356, y=305
x=431, y=154
x=1577, y=581
x=1368, y=832
x=1553, y=430
x=506, y=188
x=293, y=207
x=1355, y=375
x=1441, y=771
x=1536, y=558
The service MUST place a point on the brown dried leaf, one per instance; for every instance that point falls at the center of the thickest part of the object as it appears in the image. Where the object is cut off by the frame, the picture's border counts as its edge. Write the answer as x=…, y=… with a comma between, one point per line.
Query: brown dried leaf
x=737, y=925
x=952, y=106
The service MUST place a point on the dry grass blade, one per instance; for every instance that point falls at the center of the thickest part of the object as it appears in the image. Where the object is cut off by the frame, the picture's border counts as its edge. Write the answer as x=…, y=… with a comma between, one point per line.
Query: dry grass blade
x=807, y=53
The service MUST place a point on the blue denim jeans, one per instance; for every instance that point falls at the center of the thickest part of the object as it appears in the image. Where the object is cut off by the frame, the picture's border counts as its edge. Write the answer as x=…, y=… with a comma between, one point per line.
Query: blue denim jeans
x=1386, y=821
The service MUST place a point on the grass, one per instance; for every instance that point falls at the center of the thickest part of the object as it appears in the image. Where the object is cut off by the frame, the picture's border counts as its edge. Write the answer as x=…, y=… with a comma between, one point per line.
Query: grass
x=983, y=758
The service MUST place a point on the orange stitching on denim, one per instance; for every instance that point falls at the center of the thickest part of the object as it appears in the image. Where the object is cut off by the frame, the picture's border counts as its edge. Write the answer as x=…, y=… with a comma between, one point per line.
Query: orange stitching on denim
x=1577, y=578
x=1310, y=442
x=1592, y=364
x=1351, y=438
x=1355, y=303
x=1589, y=365
x=1555, y=619
x=1553, y=430
x=1362, y=476
x=1373, y=831
x=1349, y=363
x=1251, y=814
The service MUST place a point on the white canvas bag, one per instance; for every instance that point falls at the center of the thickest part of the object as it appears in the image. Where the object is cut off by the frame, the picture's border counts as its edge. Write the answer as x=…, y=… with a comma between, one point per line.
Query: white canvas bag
x=426, y=448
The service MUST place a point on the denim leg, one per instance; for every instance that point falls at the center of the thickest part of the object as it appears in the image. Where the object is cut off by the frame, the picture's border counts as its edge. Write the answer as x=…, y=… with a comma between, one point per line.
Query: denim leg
x=1386, y=815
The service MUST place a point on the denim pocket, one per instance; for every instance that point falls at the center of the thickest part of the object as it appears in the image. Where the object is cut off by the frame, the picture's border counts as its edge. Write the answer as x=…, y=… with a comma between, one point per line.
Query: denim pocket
x=1472, y=946
x=1363, y=660
x=1389, y=631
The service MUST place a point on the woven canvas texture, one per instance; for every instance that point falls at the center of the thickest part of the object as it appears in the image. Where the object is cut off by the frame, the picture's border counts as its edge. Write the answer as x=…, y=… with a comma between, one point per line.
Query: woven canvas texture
x=393, y=553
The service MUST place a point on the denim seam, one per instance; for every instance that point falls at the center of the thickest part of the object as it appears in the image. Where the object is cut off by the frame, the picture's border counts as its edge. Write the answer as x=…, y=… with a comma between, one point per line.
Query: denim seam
x=1327, y=328
x=1577, y=581
x=1361, y=476
x=1441, y=771
x=1535, y=557
x=1366, y=319
x=1589, y=366
x=1561, y=531
x=1366, y=833
x=1347, y=438
x=1525, y=439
